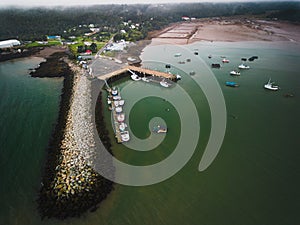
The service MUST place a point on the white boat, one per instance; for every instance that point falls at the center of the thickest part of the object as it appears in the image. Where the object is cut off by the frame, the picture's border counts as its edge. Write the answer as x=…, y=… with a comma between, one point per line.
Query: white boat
x=145, y=79
x=271, y=86
x=121, y=102
x=243, y=67
x=108, y=101
x=135, y=77
x=164, y=83
x=122, y=126
x=116, y=103
x=114, y=91
x=117, y=97
x=178, y=77
x=121, y=117
x=125, y=136
x=225, y=60
x=235, y=73
x=119, y=109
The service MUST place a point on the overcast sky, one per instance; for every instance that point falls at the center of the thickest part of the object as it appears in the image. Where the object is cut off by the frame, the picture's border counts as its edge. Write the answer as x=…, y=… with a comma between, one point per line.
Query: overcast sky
x=93, y=2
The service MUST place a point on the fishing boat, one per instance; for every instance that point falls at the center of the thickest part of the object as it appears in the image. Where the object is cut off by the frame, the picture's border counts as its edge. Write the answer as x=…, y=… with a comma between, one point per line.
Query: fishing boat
x=122, y=126
x=121, y=102
x=231, y=84
x=271, y=86
x=235, y=73
x=243, y=67
x=119, y=109
x=114, y=91
x=125, y=136
x=225, y=60
x=145, y=79
x=121, y=117
x=164, y=83
x=135, y=77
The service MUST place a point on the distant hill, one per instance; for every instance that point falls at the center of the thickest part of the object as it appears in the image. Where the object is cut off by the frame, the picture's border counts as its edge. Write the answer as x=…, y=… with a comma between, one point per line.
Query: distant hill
x=35, y=23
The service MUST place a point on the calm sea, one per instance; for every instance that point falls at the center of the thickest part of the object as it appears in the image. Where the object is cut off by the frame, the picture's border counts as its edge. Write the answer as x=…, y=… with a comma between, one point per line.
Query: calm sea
x=253, y=180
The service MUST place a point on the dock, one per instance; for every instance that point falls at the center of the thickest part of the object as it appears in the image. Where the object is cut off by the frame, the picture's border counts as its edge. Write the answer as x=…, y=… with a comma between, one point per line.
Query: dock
x=139, y=70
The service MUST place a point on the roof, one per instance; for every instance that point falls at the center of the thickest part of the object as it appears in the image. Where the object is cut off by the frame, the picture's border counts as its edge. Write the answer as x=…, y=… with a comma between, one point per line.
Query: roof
x=9, y=43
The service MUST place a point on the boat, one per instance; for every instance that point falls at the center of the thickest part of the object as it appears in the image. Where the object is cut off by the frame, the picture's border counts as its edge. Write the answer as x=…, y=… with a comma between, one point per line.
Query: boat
x=209, y=56
x=271, y=86
x=116, y=103
x=121, y=102
x=192, y=73
x=231, y=84
x=125, y=136
x=225, y=60
x=178, y=77
x=119, y=109
x=244, y=67
x=108, y=101
x=145, y=79
x=177, y=54
x=114, y=91
x=122, y=126
x=121, y=117
x=252, y=58
x=135, y=77
x=181, y=62
x=160, y=129
x=215, y=65
x=164, y=83
x=117, y=97
x=235, y=73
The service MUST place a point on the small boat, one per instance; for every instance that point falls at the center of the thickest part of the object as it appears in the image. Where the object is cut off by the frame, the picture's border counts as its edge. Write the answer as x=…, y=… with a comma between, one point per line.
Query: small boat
x=192, y=73
x=196, y=53
x=244, y=59
x=244, y=67
x=181, y=62
x=178, y=77
x=235, y=73
x=119, y=109
x=177, y=54
x=188, y=60
x=231, y=84
x=125, y=136
x=225, y=60
x=121, y=117
x=121, y=102
x=117, y=97
x=122, y=126
x=215, y=65
x=116, y=103
x=114, y=91
x=145, y=79
x=108, y=101
x=164, y=83
x=209, y=56
x=135, y=77
x=168, y=66
x=159, y=129
x=271, y=86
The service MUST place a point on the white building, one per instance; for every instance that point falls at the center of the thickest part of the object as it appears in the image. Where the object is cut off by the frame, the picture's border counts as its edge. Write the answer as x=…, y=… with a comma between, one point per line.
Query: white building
x=9, y=43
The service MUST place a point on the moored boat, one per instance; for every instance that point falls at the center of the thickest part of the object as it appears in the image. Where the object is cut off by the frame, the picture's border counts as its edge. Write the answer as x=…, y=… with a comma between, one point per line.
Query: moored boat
x=231, y=84
x=135, y=77
x=243, y=67
x=235, y=73
x=164, y=83
x=125, y=136
x=271, y=86
x=225, y=60
x=121, y=117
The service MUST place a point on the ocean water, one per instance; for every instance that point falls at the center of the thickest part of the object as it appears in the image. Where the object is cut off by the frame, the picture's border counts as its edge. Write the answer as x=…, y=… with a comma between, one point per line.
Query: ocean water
x=28, y=110
x=253, y=180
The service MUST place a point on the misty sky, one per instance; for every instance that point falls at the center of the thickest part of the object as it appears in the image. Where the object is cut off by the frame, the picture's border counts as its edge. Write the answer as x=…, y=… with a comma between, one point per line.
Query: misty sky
x=93, y=2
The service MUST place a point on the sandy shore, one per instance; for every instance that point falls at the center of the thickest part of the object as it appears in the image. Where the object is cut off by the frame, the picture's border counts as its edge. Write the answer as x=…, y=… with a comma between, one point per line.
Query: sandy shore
x=227, y=30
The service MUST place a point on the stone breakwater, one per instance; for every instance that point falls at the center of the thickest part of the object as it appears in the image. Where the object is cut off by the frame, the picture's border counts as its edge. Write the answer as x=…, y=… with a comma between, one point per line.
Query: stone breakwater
x=75, y=186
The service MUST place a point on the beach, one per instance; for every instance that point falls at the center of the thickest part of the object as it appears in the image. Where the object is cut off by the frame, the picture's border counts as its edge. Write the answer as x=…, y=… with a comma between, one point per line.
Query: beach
x=229, y=29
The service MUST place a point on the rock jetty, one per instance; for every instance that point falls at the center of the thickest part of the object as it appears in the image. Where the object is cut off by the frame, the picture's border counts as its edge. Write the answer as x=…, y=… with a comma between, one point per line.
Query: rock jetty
x=71, y=186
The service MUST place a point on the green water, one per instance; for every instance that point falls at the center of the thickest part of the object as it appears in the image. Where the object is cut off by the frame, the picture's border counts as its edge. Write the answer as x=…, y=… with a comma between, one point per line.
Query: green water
x=253, y=180
x=28, y=109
